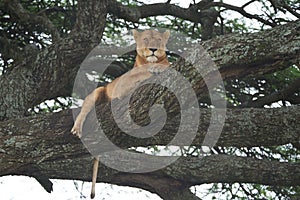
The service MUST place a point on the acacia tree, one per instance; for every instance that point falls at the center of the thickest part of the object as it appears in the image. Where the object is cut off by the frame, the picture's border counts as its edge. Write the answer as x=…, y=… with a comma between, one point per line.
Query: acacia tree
x=43, y=44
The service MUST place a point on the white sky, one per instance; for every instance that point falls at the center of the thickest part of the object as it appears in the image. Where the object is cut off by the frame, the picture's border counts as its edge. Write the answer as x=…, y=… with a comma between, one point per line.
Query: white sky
x=23, y=188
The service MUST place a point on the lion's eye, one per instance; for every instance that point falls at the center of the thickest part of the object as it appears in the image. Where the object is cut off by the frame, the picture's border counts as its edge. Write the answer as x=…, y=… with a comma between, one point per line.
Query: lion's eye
x=146, y=40
x=159, y=41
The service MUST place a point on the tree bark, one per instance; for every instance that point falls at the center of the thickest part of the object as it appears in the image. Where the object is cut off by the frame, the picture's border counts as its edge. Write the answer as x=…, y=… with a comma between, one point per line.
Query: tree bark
x=179, y=176
x=41, y=145
x=52, y=72
x=47, y=137
x=234, y=55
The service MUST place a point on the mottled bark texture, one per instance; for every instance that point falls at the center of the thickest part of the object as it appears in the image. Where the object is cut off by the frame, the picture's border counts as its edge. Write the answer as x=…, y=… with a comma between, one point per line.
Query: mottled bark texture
x=47, y=137
x=52, y=72
x=41, y=145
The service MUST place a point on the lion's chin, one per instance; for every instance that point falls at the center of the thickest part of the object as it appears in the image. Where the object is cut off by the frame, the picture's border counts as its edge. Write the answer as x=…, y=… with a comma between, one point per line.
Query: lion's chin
x=152, y=59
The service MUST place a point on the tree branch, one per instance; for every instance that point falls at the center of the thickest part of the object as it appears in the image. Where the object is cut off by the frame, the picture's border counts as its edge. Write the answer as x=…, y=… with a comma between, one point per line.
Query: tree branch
x=283, y=94
x=252, y=52
x=22, y=15
x=281, y=5
x=41, y=146
x=48, y=137
x=234, y=55
x=134, y=14
x=194, y=13
x=242, y=12
x=31, y=83
x=183, y=173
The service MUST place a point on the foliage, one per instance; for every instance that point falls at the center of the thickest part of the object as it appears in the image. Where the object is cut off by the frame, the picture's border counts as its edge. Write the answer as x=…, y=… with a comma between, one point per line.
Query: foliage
x=17, y=34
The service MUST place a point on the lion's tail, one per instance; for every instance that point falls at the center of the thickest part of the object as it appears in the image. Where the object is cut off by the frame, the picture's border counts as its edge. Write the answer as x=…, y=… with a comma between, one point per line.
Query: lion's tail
x=94, y=178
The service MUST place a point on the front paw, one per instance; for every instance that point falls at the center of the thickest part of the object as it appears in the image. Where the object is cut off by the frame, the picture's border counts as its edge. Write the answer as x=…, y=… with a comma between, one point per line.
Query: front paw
x=156, y=68
x=77, y=129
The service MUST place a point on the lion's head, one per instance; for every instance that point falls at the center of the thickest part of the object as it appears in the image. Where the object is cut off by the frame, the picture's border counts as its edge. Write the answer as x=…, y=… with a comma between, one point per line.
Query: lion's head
x=151, y=47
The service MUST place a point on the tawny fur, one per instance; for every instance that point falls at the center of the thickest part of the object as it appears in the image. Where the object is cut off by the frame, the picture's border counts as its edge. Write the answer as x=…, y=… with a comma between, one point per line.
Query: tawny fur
x=94, y=178
x=151, y=58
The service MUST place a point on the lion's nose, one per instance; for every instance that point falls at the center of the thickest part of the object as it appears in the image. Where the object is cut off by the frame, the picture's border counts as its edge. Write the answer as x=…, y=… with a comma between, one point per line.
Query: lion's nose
x=153, y=49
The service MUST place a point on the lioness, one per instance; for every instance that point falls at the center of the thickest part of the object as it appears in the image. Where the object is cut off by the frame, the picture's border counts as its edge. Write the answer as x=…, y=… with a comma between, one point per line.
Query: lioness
x=151, y=58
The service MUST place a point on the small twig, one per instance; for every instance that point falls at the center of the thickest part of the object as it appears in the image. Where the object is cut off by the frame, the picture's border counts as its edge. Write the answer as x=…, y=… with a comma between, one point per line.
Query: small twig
x=23, y=15
x=274, y=97
x=247, y=4
x=243, y=12
x=291, y=10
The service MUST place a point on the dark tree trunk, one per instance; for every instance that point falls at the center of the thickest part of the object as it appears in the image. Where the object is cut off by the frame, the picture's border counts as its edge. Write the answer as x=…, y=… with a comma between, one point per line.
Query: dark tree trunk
x=42, y=146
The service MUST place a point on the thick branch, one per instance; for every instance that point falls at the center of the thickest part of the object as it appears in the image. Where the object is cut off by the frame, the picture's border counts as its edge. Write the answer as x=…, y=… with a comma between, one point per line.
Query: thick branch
x=53, y=71
x=194, y=13
x=181, y=174
x=48, y=137
x=235, y=56
x=134, y=14
x=226, y=168
x=260, y=52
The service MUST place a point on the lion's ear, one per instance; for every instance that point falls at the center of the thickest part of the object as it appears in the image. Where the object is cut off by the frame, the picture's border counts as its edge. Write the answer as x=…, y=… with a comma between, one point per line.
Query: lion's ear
x=167, y=35
x=135, y=34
